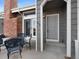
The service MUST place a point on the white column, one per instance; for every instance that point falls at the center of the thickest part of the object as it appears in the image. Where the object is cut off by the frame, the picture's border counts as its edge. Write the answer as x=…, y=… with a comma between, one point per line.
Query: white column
x=41, y=22
x=36, y=23
x=22, y=24
x=41, y=16
x=69, y=28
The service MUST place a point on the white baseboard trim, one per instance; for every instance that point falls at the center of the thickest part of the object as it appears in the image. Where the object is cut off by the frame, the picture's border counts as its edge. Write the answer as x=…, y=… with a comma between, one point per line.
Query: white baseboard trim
x=52, y=40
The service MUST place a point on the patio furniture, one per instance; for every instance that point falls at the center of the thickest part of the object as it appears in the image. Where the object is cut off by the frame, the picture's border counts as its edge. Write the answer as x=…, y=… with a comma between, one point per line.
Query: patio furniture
x=26, y=37
x=28, y=40
x=14, y=45
x=6, y=38
x=1, y=40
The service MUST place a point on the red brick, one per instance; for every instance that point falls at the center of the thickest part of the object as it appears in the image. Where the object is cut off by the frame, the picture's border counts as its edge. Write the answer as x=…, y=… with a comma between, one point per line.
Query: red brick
x=12, y=24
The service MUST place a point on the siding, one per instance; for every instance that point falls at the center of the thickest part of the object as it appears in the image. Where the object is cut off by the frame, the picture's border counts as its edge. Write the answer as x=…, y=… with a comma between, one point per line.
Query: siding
x=44, y=31
x=73, y=25
x=63, y=25
x=38, y=24
x=1, y=26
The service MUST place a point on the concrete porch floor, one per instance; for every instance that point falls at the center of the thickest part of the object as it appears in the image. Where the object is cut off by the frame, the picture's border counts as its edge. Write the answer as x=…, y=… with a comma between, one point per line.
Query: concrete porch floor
x=52, y=51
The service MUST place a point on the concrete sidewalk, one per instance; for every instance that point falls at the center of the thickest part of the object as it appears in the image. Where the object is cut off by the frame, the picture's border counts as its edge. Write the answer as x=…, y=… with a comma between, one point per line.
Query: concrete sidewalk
x=52, y=51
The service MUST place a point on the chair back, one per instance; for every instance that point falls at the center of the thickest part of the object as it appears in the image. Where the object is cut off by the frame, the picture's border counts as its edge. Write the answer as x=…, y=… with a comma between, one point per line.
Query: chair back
x=2, y=36
x=23, y=34
x=1, y=40
x=13, y=42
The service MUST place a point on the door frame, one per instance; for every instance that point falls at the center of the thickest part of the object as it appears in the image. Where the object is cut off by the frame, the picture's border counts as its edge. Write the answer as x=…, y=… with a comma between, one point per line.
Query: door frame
x=58, y=28
x=32, y=16
x=25, y=18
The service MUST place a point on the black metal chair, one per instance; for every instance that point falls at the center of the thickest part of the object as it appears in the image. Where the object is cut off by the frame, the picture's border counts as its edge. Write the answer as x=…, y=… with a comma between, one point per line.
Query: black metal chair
x=14, y=45
x=1, y=40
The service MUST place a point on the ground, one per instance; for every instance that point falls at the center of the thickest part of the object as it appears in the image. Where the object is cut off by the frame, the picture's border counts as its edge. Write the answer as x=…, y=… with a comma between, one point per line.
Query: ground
x=52, y=51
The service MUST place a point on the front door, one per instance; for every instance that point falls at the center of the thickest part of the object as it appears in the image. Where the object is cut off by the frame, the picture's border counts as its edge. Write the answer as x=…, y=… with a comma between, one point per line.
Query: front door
x=27, y=26
x=52, y=27
x=30, y=27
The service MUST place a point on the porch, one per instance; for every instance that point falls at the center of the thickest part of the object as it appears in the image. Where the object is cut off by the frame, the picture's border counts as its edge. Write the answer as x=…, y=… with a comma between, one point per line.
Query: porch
x=63, y=8
x=52, y=51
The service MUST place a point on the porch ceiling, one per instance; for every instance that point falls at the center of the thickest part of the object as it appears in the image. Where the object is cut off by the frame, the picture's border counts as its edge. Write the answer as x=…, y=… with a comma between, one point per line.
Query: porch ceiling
x=53, y=4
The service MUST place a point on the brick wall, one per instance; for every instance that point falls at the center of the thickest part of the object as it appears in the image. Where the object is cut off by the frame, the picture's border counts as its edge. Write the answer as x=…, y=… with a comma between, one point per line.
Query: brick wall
x=12, y=24
x=10, y=27
x=19, y=24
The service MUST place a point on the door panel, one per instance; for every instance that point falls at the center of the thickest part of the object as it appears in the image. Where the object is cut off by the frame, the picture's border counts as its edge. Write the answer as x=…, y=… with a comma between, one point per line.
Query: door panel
x=52, y=27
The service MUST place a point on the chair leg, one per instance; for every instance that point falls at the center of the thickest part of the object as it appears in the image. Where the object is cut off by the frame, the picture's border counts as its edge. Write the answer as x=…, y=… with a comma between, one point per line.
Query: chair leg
x=0, y=48
x=8, y=55
x=20, y=54
x=29, y=45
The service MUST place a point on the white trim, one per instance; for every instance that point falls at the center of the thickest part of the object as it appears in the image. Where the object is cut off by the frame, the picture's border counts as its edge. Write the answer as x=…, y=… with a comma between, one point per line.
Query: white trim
x=43, y=3
x=2, y=13
x=22, y=24
x=77, y=19
x=77, y=41
x=68, y=28
x=29, y=17
x=46, y=28
x=23, y=9
x=1, y=17
x=32, y=17
x=41, y=23
x=29, y=11
x=36, y=23
x=65, y=0
x=49, y=40
x=58, y=28
x=76, y=49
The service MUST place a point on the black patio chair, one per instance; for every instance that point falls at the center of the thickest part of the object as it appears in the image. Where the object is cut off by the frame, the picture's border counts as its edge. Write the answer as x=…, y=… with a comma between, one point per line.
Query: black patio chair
x=14, y=45
x=1, y=40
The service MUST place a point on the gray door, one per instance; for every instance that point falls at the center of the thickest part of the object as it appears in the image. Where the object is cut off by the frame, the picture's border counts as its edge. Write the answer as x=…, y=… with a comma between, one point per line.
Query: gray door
x=52, y=27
